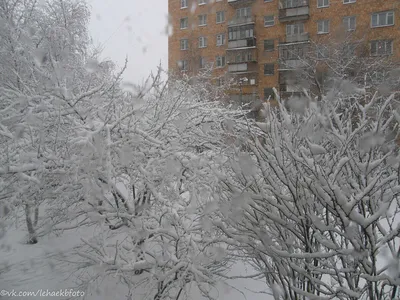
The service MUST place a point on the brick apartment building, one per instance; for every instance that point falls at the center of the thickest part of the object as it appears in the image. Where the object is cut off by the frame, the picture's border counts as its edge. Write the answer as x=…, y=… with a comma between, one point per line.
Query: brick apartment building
x=254, y=40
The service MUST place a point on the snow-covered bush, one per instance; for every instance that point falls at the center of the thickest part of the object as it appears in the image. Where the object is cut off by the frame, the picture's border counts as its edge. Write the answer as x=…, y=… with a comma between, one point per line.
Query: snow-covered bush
x=314, y=201
x=149, y=181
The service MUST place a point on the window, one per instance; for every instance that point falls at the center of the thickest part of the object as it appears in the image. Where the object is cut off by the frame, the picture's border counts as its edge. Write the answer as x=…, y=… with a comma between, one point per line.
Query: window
x=267, y=1
x=323, y=26
x=184, y=23
x=202, y=63
x=269, y=93
x=220, y=61
x=184, y=3
x=268, y=69
x=349, y=23
x=220, y=39
x=184, y=44
x=269, y=21
x=295, y=29
x=243, y=12
x=322, y=3
x=220, y=81
x=202, y=20
x=322, y=52
x=183, y=65
x=202, y=2
x=349, y=1
x=220, y=16
x=269, y=45
x=202, y=42
x=381, y=47
x=385, y=18
x=294, y=3
x=349, y=50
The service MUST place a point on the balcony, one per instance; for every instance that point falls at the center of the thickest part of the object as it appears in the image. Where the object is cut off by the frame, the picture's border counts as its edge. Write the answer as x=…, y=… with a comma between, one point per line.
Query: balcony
x=244, y=67
x=244, y=43
x=292, y=64
x=241, y=56
x=289, y=85
x=236, y=21
x=239, y=3
x=304, y=37
x=293, y=10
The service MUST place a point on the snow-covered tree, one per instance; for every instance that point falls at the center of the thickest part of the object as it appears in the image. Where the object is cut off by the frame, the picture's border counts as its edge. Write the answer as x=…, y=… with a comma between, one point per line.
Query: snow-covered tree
x=82, y=150
x=338, y=61
x=51, y=86
x=149, y=182
x=313, y=201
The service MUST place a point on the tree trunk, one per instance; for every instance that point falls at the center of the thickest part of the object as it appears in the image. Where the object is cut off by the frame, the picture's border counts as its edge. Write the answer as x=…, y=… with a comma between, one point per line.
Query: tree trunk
x=36, y=220
x=29, y=224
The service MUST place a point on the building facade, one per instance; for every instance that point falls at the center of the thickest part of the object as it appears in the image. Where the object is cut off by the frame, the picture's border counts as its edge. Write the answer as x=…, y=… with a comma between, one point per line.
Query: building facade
x=259, y=42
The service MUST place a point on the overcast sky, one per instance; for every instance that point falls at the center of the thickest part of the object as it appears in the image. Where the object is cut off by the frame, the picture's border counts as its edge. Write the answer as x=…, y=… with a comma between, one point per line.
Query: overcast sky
x=132, y=27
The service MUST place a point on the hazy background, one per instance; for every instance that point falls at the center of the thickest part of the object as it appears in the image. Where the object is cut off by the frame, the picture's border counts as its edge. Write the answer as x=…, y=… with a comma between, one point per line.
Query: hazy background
x=133, y=28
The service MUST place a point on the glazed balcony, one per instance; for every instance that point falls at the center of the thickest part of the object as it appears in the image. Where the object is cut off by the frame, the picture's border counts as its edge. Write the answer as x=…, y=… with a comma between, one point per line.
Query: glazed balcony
x=293, y=56
x=293, y=10
x=292, y=64
x=243, y=43
x=242, y=68
x=241, y=56
x=295, y=38
x=240, y=3
x=236, y=21
x=289, y=89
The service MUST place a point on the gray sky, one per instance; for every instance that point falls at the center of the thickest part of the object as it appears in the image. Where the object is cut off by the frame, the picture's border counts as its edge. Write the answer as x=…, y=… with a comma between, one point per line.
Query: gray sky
x=131, y=27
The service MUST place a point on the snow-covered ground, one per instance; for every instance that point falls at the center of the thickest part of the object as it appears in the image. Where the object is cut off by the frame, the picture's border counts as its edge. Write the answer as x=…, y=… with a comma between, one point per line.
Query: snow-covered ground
x=28, y=268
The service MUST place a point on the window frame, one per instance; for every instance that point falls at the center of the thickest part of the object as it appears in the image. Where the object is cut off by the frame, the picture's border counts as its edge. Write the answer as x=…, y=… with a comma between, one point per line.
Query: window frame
x=202, y=17
x=270, y=93
x=387, y=12
x=222, y=59
x=322, y=54
x=349, y=1
x=187, y=22
x=184, y=1
x=350, y=50
x=382, y=54
x=240, y=32
x=184, y=66
x=184, y=42
x=323, y=6
x=273, y=69
x=246, y=10
x=273, y=45
x=323, y=22
x=348, y=22
x=273, y=20
x=221, y=12
x=300, y=25
x=223, y=39
x=203, y=63
x=204, y=42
